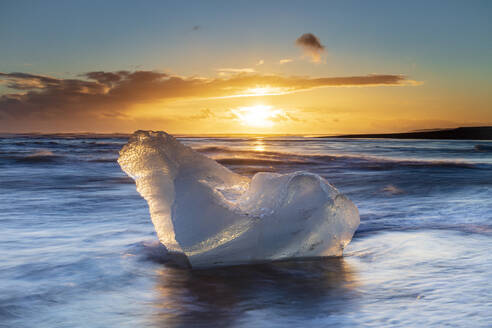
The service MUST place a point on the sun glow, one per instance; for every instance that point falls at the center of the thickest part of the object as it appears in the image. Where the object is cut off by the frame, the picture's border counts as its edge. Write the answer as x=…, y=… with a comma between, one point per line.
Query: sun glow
x=264, y=91
x=259, y=116
x=258, y=92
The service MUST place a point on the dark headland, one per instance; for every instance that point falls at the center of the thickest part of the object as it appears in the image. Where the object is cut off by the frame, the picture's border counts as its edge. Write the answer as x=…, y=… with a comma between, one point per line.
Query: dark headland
x=466, y=133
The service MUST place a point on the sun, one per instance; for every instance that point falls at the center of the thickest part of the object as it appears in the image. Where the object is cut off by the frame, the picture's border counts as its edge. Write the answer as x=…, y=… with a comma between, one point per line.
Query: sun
x=259, y=116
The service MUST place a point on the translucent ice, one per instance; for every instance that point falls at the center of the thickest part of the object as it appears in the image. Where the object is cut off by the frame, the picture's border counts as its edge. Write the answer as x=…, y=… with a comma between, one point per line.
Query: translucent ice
x=216, y=217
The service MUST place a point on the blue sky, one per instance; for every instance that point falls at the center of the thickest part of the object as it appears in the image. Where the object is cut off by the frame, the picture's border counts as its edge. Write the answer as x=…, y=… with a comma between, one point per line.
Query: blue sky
x=445, y=44
x=71, y=36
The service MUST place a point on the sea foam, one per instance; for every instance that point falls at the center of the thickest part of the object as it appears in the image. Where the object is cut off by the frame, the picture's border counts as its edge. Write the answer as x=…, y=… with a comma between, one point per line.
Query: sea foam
x=216, y=217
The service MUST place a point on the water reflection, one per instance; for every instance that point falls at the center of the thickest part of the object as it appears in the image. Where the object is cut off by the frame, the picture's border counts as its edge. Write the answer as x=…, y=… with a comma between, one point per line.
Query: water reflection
x=259, y=145
x=230, y=296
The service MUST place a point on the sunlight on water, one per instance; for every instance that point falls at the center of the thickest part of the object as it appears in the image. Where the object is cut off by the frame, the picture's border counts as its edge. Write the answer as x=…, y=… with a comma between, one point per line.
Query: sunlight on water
x=78, y=247
x=259, y=145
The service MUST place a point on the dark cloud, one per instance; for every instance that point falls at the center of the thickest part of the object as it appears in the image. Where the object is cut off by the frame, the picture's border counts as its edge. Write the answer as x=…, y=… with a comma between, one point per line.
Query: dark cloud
x=112, y=93
x=311, y=46
x=107, y=78
x=196, y=27
x=25, y=81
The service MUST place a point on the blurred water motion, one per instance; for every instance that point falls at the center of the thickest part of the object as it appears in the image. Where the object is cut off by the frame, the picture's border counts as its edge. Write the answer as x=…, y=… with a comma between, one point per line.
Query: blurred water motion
x=79, y=250
x=225, y=296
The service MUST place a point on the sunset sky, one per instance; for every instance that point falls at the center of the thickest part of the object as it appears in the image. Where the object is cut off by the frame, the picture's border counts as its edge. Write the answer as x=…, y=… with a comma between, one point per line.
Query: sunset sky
x=287, y=67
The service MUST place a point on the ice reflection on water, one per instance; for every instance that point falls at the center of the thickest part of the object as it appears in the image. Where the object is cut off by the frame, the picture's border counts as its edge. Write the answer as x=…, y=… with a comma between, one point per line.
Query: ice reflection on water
x=398, y=279
x=251, y=294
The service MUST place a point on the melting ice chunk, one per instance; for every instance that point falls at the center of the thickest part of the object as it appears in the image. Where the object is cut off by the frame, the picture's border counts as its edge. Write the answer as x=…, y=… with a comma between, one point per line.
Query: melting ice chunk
x=216, y=217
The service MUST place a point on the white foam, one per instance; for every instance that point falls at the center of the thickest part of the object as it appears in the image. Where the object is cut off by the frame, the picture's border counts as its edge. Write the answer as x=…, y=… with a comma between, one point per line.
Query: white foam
x=217, y=217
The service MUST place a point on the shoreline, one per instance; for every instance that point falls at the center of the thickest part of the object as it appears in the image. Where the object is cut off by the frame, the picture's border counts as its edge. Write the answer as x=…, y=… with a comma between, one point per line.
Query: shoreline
x=462, y=133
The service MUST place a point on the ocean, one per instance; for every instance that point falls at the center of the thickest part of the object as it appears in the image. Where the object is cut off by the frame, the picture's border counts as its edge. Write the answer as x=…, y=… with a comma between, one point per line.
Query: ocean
x=78, y=249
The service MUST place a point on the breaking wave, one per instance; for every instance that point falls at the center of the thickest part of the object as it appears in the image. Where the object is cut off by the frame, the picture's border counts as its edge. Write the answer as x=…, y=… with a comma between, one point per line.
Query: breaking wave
x=40, y=156
x=253, y=157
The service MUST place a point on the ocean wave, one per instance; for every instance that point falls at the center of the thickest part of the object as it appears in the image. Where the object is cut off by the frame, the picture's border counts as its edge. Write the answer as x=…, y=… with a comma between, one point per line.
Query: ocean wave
x=252, y=157
x=105, y=143
x=483, y=148
x=393, y=190
x=410, y=149
x=102, y=160
x=40, y=156
x=258, y=161
x=368, y=227
x=219, y=149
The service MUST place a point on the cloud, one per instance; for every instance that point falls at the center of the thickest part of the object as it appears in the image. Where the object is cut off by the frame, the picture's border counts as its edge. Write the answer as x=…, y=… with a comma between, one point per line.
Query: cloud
x=311, y=46
x=104, y=77
x=196, y=28
x=260, y=62
x=237, y=70
x=113, y=93
x=285, y=61
x=227, y=71
x=204, y=114
x=25, y=81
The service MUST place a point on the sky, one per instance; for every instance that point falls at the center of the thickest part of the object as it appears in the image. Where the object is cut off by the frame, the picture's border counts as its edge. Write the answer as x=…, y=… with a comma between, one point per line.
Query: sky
x=227, y=67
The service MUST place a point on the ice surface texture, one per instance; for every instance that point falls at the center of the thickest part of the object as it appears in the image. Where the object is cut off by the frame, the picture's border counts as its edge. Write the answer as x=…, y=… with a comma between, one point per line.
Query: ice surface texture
x=217, y=217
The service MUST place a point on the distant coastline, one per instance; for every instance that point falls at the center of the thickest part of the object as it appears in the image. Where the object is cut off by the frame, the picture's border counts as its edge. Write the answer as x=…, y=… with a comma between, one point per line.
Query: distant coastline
x=462, y=133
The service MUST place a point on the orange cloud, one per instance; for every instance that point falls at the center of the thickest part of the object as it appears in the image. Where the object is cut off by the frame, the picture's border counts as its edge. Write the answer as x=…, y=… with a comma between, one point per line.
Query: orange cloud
x=111, y=93
x=223, y=71
x=285, y=61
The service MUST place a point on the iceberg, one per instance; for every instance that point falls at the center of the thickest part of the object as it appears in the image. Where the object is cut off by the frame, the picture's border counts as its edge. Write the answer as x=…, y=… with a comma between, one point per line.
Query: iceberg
x=215, y=217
